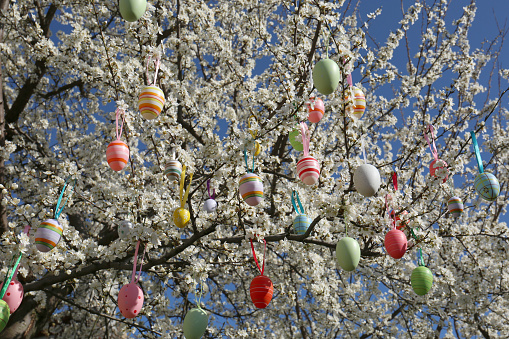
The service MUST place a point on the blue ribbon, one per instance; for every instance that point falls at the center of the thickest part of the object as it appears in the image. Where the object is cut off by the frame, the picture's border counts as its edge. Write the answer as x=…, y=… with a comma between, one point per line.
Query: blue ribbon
x=477, y=153
x=295, y=194
x=58, y=209
x=245, y=159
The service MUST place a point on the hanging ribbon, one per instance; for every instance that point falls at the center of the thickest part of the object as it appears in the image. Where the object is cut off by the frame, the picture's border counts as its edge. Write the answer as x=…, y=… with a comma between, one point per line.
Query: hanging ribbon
x=295, y=196
x=305, y=138
x=157, y=63
x=245, y=160
x=213, y=196
x=433, y=148
x=199, y=296
x=477, y=153
x=9, y=275
x=393, y=217
x=254, y=255
x=395, y=180
x=349, y=80
x=420, y=259
x=119, y=112
x=58, y=209
x=253, y=133
x=183, y=196
x=136, y=261
x=363, y=147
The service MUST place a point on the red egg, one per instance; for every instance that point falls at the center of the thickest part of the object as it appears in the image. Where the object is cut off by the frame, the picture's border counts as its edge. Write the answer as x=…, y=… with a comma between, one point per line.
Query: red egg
x=130, y=300
x=261, y=291
x=395, y=243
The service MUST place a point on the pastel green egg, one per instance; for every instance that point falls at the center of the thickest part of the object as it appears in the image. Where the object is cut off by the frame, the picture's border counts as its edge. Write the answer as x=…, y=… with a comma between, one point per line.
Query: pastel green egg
x=326, y=76
x=421, y=280
x=4, y=314
x=132, y=10
x=296, y=139
x=348, y=253
x=195, y=323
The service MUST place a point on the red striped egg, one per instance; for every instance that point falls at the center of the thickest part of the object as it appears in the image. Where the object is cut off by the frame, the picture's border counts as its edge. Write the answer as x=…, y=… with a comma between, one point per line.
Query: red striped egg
x=316, y=111
x=117, y=155
x=395, y=243
x=13, y=295
x=251, y=189
x=130, y=300
x=261, y=291
x=48, y=235
x=151, y=102
x=308, y=170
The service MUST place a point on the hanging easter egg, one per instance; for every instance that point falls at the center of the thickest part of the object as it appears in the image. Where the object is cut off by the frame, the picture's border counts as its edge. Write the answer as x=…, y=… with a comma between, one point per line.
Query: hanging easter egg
x=173, y=170
x=48, y=235
x=395, y=243
x=421, y=280
x=210, y=205
x=195, y=323
x=455, y=206
x=132, y=10
x=117, y=155
x=124, y=229
x=308, y=170
x=258, y=148
x=181, y=217
x=486, y=184
x=261, y=291
x=251, y=189
x=366, y=180
x=13, y=295
x=151, y=102
x=359, y=103
x=348, y=253
x=296, y=140
x=4, y=314
x=301, y=223
x=315, y=110
x=130, y=300
x=437, y=165
x=399, y=223
x=326, y=76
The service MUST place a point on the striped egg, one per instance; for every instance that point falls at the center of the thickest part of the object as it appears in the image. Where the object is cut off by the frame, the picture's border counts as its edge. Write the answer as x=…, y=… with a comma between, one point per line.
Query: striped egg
x=436, y=165
x=48, y=235
x=395, y=243
x=487, y=186
x=261, y=290
x=173, y=170
x=359, y=103
x=455, y=206
x=308, y=170
x=14, y=295
x=130, y=300
x=117, y=155
x=301, y=224
x=151, y=102
x=4, y=314
x=421, y=280
x=316, y=111
x=251, y=189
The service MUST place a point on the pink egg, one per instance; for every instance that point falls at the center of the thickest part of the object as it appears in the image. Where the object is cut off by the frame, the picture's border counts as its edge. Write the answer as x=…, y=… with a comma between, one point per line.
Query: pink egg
x=130, y=300
x=316, y=113
x=117, y=155
x=308, y=170
x=395, y=243
x=13, y=295
x=438, y=164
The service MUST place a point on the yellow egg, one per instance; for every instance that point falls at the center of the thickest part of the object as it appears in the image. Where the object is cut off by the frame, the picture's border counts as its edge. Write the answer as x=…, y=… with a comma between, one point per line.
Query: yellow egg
x=181, y=217
x=258, y=148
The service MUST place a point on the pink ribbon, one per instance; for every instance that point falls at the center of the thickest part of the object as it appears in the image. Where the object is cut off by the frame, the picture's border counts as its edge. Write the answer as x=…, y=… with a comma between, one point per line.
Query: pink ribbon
x=254, y=255
x=157, y=63
x=393, y=217
x=136, y=261
x=434, y=148
x=305, y=138
x=349, y=80
x=395, y=180
x=119, y=112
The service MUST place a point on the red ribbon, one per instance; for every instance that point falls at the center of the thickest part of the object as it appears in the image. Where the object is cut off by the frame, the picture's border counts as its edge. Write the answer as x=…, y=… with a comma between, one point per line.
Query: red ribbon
x=391, y=215
x=395, y=180
x=254, y=255
x=434, y=148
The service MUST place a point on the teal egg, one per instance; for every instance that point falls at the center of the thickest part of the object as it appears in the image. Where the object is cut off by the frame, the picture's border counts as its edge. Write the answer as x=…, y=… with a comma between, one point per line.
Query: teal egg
x=4, y=314
x=195, y=323
x=132, y=10
x=326, y=76
x=487, y=185
x=421, y=280
x=348, y=253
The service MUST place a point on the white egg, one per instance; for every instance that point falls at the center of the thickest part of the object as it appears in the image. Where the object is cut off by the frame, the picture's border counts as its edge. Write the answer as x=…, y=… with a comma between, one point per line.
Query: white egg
x=210, y=205
x=366, y=180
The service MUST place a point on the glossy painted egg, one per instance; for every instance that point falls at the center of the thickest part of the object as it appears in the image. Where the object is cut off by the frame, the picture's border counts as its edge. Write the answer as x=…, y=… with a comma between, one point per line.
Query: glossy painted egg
x=486, y=184
x=124, y=229
x=326, y=76
x=130, y=300
x=48, y=235
x=436, y=165
x=395, y=243
x=4, y=314
x=315, y=110
x=210, y=205
x=359, y=103
x=421, y=280
x=181, y=217
x=301, y=224
x=366, y=180
x=295, y=138
x=14, y=295
x=251, y=189
x=195, y=323
x=132, y=10
x=173, y=170
x=117, y=155
x=348, y=253
x=151, y=102
x=308, y=170
x=261, y=291
x=455, y=206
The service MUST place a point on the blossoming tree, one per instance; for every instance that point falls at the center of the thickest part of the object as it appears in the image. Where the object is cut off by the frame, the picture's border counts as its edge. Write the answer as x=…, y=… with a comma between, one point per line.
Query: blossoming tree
x=66, y=66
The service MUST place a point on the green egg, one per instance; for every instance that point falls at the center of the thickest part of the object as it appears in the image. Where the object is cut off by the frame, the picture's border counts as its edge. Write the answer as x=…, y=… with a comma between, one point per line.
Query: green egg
x=4, y=314
x=421, y=280
x=326, y=76
x=132, y=10
x=348, y=253
x=195, y=323
x=296, y=139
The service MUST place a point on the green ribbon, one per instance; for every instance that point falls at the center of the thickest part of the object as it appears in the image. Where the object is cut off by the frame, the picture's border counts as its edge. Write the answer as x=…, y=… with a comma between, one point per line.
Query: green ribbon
x=10, y=274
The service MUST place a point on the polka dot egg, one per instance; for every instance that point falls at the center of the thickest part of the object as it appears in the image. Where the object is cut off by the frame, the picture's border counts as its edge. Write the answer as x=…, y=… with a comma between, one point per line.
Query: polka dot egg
x=48, y=235
x=130, y=300
x=14, y=295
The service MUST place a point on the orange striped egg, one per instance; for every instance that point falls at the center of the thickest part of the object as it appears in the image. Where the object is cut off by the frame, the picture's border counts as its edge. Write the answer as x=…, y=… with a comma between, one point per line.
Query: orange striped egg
x=316, y=113
x=48, y=235
x=117, y=155
x=151, y=102
x=251, y=189
x=395, y=243
x=173, y=170
x=261, y=291
x=359, y=101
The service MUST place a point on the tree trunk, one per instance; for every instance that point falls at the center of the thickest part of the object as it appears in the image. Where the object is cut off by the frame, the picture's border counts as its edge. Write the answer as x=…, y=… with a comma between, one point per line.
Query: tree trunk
x=4, y=4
